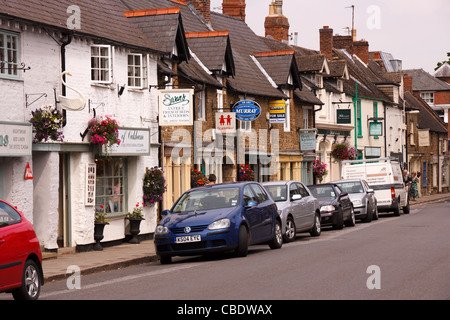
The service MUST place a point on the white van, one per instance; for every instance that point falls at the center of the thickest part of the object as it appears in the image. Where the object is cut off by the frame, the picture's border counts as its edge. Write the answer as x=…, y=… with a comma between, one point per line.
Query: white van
x=385, y=177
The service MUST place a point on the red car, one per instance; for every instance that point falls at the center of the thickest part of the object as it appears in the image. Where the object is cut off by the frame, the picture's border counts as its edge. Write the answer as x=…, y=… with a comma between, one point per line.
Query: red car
x=20, y=255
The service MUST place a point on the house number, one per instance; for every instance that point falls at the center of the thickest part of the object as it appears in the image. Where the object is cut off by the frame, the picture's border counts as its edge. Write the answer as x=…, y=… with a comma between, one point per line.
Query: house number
x=4, y=140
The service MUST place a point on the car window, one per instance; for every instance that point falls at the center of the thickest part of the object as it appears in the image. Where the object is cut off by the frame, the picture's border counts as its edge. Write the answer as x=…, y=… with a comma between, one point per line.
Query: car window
x=216, y=198
x=322, y=191
x=277, y=192
x=248, y=195
x=351, y=187
x=302, y=190
x=261, y=196
x=8, y=215
x=293, y=189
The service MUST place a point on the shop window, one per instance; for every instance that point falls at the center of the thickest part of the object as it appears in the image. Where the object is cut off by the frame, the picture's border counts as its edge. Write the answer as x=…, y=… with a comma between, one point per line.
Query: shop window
x=111, y=186
x=9, y=55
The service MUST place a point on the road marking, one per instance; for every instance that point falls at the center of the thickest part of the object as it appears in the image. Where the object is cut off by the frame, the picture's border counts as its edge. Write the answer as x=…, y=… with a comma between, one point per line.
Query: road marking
x=124, y=279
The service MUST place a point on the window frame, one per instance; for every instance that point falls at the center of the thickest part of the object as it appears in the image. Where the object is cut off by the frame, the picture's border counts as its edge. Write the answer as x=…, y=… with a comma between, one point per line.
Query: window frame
x=15, y=64
x=133, y=77
x=99, y=68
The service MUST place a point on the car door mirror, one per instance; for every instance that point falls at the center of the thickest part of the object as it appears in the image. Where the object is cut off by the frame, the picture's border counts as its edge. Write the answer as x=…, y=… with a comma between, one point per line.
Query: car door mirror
x=343, y=194
x=251, y=204
x=165, y=213
x=296, y=197
x=370, y=191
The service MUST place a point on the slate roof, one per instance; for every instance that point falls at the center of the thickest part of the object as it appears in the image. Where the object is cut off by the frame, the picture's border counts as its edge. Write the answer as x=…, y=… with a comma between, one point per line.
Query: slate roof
x=109, y=23
x=423, y=81
x=428, y=119
x=443, y=71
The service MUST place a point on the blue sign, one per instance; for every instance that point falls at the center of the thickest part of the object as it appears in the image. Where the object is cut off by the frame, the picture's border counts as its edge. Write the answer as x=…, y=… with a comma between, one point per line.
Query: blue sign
x=247, y=110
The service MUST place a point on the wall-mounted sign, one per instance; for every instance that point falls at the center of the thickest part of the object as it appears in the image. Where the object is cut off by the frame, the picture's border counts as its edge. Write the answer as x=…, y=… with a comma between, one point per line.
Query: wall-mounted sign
x=344, y=116
x=176, y=107
x=15, y=139
x=28, y=172
x=277, y=111
x=424, y=138
x=372, y=152
x=133, y=142
x=375, y=129
x=225, y=122
x=307, y=139
x=89, y=195
x=247, y=110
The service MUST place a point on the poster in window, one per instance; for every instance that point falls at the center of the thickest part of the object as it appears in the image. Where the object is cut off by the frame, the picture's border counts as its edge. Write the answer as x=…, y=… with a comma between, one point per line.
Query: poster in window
x=89, y=199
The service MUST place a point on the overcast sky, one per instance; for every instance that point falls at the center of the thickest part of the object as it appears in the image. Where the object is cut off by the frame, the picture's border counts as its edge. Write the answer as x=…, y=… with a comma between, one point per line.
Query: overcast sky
x=414, y=31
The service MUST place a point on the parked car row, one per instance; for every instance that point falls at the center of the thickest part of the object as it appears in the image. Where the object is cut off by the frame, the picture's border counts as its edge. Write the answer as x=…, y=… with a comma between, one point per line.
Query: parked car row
x=232, y=216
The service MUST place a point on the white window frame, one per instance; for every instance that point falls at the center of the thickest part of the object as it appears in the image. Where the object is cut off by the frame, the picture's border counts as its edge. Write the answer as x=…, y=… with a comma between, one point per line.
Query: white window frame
x=135, y=67
x=102, y=79
x=287, y=112
x=201, y=113
x=219, y=100
x=245, y=126
x=9, y=68
x=428, y=97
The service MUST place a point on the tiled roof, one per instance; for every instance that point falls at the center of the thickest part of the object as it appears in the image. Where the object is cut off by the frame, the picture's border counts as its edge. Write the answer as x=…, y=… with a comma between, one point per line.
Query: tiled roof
x=423, y=81
x=428, y=119
x=109, y=23
x=280, y=65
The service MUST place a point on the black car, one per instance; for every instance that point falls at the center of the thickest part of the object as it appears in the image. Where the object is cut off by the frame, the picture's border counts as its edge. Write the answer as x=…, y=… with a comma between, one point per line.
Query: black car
x=336, y=208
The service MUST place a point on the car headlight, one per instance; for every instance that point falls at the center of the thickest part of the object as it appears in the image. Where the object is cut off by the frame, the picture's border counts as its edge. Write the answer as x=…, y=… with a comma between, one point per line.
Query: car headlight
x=356, y=202
x=161, y=230
x=327, y=208
x=219, y=224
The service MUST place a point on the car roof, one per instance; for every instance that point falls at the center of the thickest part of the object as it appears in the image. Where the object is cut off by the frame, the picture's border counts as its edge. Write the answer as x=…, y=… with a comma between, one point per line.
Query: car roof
x=268, y=183
x=347, y=180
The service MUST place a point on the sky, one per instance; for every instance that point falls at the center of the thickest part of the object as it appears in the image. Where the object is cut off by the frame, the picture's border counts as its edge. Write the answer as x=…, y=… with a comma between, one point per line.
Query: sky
x=414, y=31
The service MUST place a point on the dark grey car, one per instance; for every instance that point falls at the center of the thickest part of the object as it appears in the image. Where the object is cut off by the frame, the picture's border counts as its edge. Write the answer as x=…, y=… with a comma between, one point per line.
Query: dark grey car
x=362, y=197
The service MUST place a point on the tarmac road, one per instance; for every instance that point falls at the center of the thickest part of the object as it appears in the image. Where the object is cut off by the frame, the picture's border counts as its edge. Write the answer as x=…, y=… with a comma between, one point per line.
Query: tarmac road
x=404, y=257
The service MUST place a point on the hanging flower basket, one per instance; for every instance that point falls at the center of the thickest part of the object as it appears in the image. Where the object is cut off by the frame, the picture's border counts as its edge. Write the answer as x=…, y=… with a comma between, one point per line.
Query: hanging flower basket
x=342, y=152
x=154, y=186
x=47, y=123
x=319, y=169
x=246, y=173
x=104, y=132
x=198, y=179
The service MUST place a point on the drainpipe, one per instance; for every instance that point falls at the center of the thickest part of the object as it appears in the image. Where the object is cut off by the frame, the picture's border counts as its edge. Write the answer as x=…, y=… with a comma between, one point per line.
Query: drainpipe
x=63, y=68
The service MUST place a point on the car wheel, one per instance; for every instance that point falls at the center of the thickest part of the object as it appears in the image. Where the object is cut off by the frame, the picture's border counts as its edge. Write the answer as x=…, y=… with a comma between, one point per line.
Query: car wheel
x=165, y=259
x=375, y=213
x=406, y=209
x=277, y=240
x=31, y=283
x=397, y=208
x=291, y=233
x=351, y=221
x=242, y=249
x=317, y=228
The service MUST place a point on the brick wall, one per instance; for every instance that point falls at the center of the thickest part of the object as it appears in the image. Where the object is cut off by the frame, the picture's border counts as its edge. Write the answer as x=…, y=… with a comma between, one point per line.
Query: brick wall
x=234, y=8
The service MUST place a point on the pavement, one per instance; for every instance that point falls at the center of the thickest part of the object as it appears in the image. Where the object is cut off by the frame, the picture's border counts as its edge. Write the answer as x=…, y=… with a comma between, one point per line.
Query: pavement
x=124, y=255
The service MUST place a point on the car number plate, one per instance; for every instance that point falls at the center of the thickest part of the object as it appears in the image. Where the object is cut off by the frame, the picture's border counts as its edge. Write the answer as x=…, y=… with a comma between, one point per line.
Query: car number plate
x=185, y=239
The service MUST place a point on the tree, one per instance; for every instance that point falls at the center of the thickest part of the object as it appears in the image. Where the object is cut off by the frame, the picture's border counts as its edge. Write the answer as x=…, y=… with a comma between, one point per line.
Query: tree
x=439, y=64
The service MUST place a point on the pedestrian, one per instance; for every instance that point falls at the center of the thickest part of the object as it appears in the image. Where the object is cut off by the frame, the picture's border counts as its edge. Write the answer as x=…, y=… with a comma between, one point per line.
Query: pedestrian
x=212, y=179
x=414, y=188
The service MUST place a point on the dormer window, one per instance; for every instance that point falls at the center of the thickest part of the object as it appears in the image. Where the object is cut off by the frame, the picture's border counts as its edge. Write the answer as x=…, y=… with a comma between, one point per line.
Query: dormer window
x=319, y=80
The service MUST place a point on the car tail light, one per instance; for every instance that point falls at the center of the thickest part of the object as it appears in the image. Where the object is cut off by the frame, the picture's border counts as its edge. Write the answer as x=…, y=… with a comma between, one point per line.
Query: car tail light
x=393, y=192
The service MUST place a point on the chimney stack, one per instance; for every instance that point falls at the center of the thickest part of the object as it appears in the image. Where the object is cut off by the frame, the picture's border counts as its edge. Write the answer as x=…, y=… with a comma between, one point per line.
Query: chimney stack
x=234, y=8
x=203, y=7
x=361, y=49
x=276, y=24
x=326, y=42
x=407, y=83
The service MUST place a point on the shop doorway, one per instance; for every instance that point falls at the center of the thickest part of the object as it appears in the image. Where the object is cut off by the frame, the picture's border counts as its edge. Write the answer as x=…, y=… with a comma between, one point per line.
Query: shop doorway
x=64, y=226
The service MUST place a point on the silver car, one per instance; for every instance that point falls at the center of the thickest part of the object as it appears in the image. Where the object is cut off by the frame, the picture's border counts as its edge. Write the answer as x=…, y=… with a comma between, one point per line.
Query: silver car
x=299, y=210
x=362, y=197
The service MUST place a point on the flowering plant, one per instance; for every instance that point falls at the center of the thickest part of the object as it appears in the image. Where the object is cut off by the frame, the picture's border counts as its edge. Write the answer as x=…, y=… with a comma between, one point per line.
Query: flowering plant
x=137, y=212
x=319, y=169
x=104, y=131
x=154, y=186
x=100, y=216
x=246, y=173
x=198, y=179
x=46, y=122
x=343, y=152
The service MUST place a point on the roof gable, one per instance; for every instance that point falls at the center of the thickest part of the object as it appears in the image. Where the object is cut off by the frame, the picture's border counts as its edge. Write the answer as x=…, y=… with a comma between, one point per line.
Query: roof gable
x=423, y=81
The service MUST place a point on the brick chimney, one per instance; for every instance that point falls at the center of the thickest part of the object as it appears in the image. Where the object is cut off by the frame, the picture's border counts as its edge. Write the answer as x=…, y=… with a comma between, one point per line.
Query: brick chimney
x=326, y=42
x=234, y=8
x=361, y=49
x=203, y=7
x=276, y=24
x=407, y=83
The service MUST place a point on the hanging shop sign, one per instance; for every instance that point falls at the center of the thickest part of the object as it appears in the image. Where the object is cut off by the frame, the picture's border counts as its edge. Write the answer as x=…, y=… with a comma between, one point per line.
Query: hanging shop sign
x=15, y=139
x=247, y=110
x=375, y=129
x=308, y=139
x=225, y=122
x=277, y=111
x=133, y=142
x=176, y=107
x=343, y=116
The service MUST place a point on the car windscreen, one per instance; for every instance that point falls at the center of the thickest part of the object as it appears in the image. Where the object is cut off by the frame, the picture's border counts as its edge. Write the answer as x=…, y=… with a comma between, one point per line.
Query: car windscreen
x=215, y=198
x=351, y=187
x=277, y=192
x=322, y=192
x=8, y=215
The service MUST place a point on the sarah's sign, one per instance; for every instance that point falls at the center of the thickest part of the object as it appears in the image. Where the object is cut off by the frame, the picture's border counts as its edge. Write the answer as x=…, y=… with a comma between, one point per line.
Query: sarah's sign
x=247, y=110
x=176, y=107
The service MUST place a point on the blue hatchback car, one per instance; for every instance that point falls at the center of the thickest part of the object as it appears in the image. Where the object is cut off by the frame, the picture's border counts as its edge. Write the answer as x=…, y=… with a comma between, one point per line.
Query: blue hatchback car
x=215, y=218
